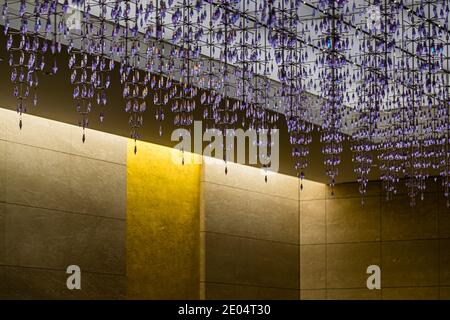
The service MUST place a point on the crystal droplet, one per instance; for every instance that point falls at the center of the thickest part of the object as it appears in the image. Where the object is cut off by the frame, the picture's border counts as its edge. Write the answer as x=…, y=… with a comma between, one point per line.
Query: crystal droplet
x=226, y=170
x=160, y=131
x=182, y=161
x=301, y=186
x=265, y=178
x=83, y=138
x=135, y=149
x=20, y=124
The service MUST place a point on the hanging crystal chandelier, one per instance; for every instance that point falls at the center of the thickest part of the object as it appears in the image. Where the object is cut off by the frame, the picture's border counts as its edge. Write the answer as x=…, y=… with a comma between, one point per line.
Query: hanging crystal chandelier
x=26, y=49
x=83, y=65
x=158, y=64
x=127, y=46
x=375, y=73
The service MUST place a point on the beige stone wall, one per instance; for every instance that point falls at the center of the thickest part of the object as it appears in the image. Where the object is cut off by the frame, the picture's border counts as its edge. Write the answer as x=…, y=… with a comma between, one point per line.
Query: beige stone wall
x=250, y=233
x=62, y=202
x=269, y=241
x=410, y=244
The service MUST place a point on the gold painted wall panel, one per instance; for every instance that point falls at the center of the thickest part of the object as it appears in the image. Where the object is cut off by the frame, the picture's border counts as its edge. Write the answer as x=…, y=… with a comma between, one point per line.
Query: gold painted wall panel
x=163, y=225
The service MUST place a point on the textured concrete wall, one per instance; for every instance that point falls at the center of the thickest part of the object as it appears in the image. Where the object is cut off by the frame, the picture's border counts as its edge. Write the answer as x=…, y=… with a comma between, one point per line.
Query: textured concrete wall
x=163, y=243
x=191, y=231
x=410, y=244
x=62, y=202
x=250, y=234
x=268, y=241
x=131, y=222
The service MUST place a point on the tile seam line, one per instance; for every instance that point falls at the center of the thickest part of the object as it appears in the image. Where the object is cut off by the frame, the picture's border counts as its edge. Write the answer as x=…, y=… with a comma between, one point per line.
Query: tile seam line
x=250, y=238
x=63, y=211
x=317, y=289
x=66, y=153
x=398, y=196
x=439, y=250
x=380, y=208
x=374, y=290
x=326, y=248
x=58, y=269
x=375, y=241
x=299, y=187
x=250, y=190
x=319, y=244
x=375, y=195
x=249, y=285
x=407, y=287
